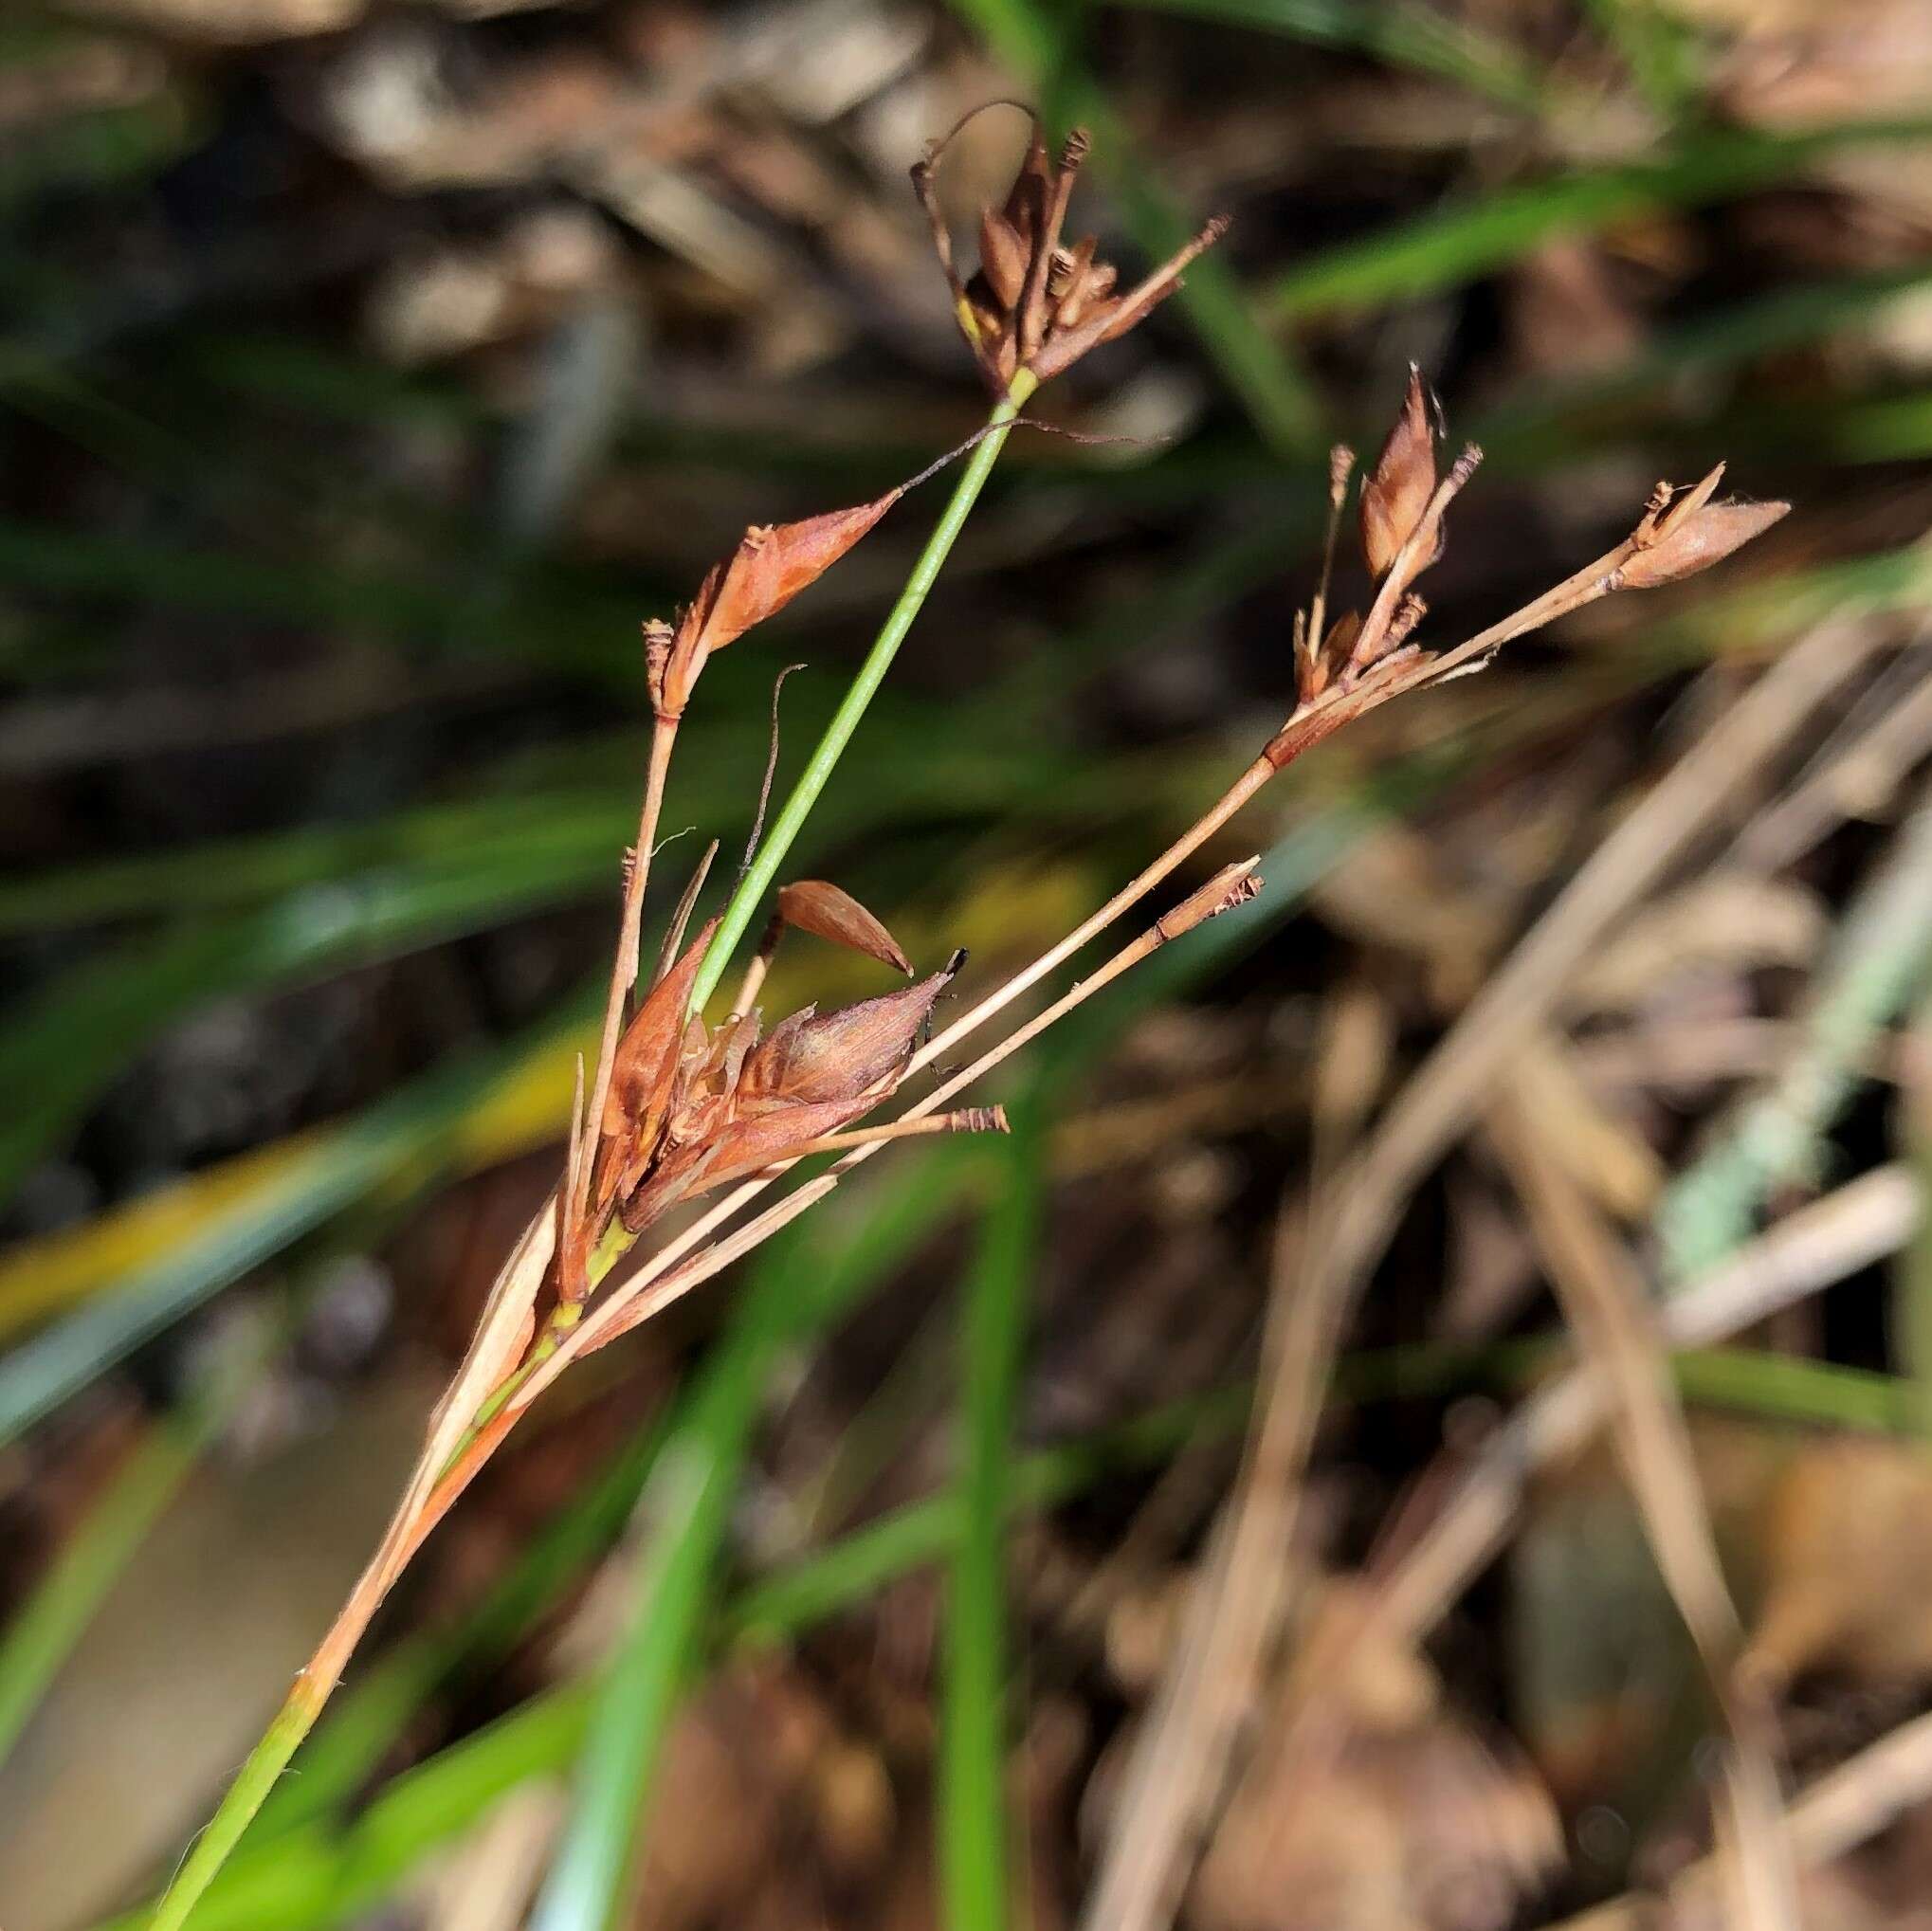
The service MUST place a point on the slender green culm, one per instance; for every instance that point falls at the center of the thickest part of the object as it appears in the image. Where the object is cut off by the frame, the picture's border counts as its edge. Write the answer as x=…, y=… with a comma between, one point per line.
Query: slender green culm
x=271, y=1755
x=974, y=1875
x=763, y=874
x=54, y=1618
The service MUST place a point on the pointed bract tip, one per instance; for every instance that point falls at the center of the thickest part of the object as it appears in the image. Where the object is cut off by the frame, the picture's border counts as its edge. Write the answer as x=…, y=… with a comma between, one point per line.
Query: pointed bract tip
x=1683, y=544
x=827, y=911
x=1395, y=494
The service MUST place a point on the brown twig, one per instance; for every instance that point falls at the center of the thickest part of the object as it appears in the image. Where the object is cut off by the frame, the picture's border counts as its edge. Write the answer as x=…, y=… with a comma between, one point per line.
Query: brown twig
x=1860, y=1223
x=1842, y=1810
x=584, y=1127
x=1178, y=1769
x=1606, y=1306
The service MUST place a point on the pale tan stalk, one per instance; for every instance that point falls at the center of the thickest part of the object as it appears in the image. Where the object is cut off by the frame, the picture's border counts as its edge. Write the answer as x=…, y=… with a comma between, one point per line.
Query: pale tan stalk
x=664, y=736
x=1606, y=1303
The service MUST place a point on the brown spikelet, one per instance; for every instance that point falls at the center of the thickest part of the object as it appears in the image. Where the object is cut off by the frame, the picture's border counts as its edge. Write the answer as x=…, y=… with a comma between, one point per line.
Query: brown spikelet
x=1396, y=493
x=742, y=1147
x=1108, y=320
x=1002, y=257
x=812, y=1057
x=1693, y=534
x=647, y=1053
x=1033, y=305
x=821, y=908
x=771, y=564
x=1026, y=201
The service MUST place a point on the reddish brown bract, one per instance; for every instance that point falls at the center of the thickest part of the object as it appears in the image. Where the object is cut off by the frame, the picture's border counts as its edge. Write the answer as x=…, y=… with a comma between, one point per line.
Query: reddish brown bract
x=817, y=906
x=1683, y=532
x=1396, y=493
x=689, y=1107
x=771, y=564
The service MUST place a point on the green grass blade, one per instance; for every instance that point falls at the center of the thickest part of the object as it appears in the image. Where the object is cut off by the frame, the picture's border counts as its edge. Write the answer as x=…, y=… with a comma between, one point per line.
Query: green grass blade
x=690, y=1501
x=1465, y=239
x=61, y=1049
x=976, y=1880
x=55, y=1615
x=1414, y=35
x=1879, y=966
x=338, y=1168
x=1660, y=49
x=798, y=1287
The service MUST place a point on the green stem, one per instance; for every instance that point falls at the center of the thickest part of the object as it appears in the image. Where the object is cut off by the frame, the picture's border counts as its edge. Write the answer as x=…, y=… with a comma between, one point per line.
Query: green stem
x=57, y=1612
x=256, y=1779
x=758, y=880
x=975, y=1883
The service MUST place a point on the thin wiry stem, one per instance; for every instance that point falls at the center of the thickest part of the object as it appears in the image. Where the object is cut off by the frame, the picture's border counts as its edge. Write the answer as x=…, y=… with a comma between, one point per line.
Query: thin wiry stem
x=763, y=872
x=586, y=1125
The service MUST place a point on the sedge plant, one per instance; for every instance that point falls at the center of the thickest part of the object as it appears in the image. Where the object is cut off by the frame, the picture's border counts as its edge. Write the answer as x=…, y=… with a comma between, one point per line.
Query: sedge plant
x=674, y=1108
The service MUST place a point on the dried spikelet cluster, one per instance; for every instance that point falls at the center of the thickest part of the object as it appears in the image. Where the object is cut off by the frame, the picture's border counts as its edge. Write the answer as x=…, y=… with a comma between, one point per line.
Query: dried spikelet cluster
x=1363, y=658
x=689, y=1107
x=1034, y=305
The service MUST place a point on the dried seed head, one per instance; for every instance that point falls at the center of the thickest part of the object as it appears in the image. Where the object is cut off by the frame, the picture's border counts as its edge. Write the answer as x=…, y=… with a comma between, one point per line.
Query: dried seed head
x=1033, y=305
x=821, y=908
x=1396, y=492
x=1692, y=534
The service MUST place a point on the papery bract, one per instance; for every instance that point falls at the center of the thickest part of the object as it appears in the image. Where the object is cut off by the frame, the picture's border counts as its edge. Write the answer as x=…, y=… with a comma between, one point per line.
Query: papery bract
x=825, y=911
